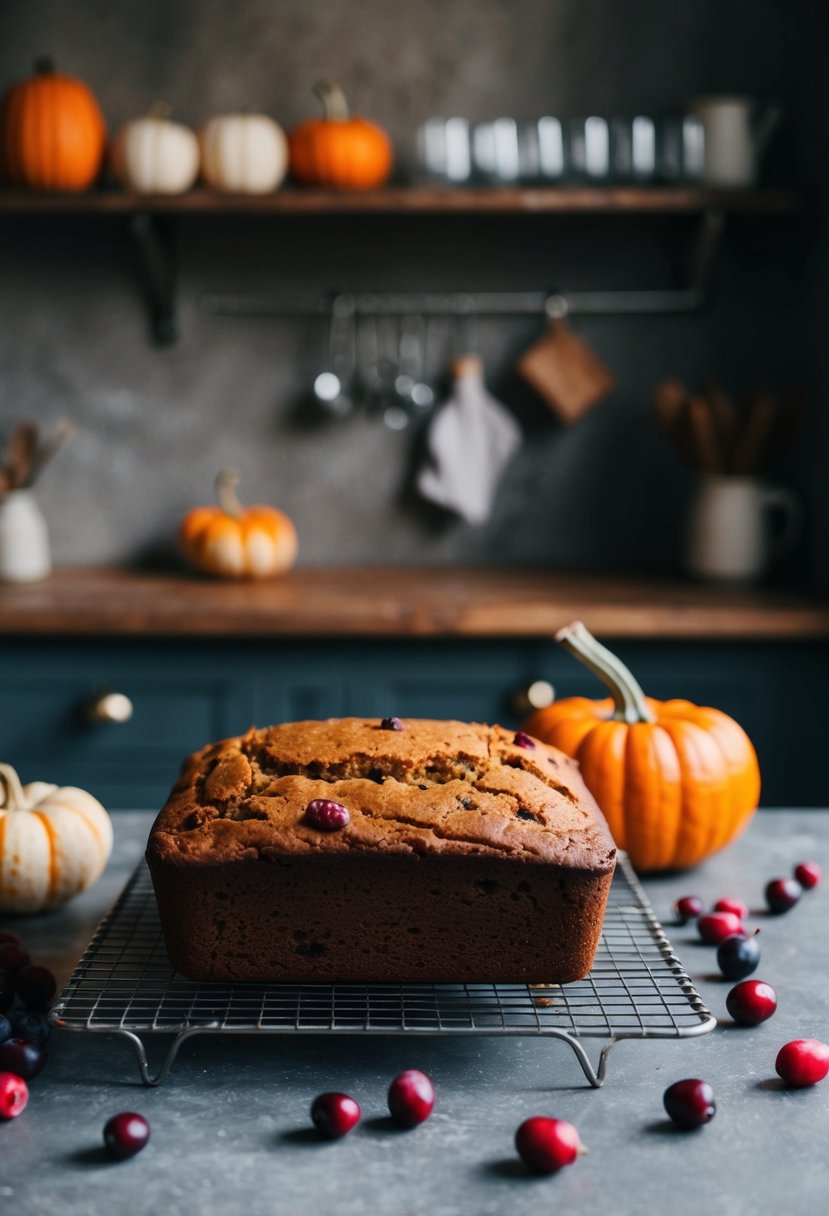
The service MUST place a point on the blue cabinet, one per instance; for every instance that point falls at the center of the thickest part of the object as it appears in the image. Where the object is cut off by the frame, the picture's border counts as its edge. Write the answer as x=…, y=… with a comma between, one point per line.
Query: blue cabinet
x=187, y=693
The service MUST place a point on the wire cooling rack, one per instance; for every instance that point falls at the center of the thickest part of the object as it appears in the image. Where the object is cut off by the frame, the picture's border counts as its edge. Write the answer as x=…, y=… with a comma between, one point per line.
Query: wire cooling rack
x=637, y=989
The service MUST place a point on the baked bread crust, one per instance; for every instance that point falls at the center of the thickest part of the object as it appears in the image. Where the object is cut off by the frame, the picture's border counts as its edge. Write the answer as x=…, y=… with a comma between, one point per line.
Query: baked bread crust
x=466, y=858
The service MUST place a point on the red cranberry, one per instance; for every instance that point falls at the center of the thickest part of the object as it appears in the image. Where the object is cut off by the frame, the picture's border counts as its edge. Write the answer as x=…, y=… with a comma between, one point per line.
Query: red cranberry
x=803, y=1062
x=782, y=894
x=808, y=874
x=14, y=1094
x=547, y=1145
x=687, y=908
x=8, y=935
x=26, y=1024
x=13, y=956
x=736, y=906
x=126, y=1134
x=411, y=1098
x=326, y=815
x=690, y=1103
x=36, y=986
x=738, y=956
x=26, y=1057
x=715, y=927
x=334, y=1115
x=522, y=739
x=392, y=724
x=6, y=991
x=751, y=1002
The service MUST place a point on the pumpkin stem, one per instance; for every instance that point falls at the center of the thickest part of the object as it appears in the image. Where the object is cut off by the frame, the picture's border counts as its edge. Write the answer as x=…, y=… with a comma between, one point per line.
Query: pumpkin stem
x=44, y=65
x=628, y=698
x=160, y=110
x=333, y=100
x=226, y=484
x=15, y=798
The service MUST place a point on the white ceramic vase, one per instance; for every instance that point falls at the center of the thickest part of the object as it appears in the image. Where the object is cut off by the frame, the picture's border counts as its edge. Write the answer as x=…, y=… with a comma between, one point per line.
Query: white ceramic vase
x=24, y=539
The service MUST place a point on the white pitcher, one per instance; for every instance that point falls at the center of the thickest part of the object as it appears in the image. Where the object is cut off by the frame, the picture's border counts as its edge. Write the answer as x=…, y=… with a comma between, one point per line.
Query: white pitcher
x=739, y=526
x=24, y=539
x=737, y=130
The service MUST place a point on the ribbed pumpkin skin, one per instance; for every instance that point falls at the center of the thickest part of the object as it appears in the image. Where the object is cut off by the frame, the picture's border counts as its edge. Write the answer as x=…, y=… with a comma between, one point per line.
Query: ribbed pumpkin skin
x=343, y=154
x=674, y=790
x=53, y=845
x=260, y=542
x=53, y=134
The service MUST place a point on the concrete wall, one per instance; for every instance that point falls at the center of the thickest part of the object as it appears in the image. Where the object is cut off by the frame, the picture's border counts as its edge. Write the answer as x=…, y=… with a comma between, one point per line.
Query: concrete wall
x=155, y=425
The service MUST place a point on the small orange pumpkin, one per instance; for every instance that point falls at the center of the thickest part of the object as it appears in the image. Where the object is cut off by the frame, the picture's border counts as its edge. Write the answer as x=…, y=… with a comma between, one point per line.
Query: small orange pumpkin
x=53, y=132
x=339, y=151
x=232, y=541
x=676, y=781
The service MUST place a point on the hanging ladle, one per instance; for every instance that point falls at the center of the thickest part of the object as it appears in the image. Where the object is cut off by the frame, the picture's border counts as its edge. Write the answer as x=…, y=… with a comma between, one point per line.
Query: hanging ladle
x=332, y=387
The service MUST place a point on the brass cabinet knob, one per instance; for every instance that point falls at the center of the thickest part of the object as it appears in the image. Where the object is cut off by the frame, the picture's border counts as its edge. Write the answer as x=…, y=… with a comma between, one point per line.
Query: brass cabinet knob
x=539, y=695
x=110, y=707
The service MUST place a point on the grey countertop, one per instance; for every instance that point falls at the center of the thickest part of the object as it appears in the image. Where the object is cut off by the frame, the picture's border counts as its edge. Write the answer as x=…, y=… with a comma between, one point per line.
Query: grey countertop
x=230, y=1127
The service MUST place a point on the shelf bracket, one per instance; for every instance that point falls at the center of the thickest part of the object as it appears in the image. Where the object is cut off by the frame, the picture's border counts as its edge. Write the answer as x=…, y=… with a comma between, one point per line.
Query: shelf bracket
x=156, y=268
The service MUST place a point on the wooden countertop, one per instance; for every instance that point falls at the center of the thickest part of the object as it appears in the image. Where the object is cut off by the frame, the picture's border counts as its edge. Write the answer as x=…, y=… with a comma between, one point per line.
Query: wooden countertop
x=399, y=602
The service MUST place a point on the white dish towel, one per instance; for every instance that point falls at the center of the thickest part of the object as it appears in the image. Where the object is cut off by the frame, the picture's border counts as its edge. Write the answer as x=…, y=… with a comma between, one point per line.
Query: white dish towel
x=470, y=441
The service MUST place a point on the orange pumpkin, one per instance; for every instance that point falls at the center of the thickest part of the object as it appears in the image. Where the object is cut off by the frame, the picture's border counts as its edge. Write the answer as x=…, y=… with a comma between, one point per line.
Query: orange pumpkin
x=53, y=132
x=675, y=781
x=339, y=151
x=232, y=541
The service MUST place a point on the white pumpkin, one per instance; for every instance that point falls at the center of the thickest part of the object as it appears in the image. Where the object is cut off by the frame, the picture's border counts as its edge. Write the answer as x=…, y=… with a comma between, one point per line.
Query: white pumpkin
x=243, y=153
x=153, y=155
x=54, y=843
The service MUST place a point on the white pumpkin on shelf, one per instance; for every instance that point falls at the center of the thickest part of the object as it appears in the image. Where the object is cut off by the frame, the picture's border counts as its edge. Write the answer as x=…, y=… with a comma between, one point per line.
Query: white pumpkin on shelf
x=153, y=155
x=243, y=153
x=54, y=843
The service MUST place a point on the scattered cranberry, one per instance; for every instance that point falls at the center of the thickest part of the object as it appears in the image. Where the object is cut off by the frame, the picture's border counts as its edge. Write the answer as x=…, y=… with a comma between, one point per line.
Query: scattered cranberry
x=6, y=991
x=687, y=908
x=738, y=956
x=13, y=956
x=411, y=1098
x=547, y=1145
x=803, y=1062
x=736, y=906
x=36, y=986
x=690, y=1103
x=26, y=1057
x=808, y=874
x=14, y=1094
x=751, y=1002
x=326, y=815
x=522, y=739
x=7, y=935
x=782, y=894
x=126, y=1134
x=715, y=927
x=392, y=724
x=27, y=1024
x=7, y=1031
x=334, y=1115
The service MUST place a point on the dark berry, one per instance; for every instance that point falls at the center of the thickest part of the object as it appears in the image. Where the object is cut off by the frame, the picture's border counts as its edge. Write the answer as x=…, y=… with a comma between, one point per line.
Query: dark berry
x=547, y=1145
x=14, y=1094
x=392, y=724
x=6, y=991
x=26, y=1057
x=808, y=874
x=715, y=927
x=326, y=815
x=690, y=1103
x=522, y=739
x=334, y=1115
x=751, y=1002
x=36, y=986
x=736, y=906
x=782, y=894
x=13, y=956
x=26, y=1024
x=126, y=1134
x=687, y=908
x=7, y=1031
x=8, y=935
x=411, y=1098
x=738, y=956
x=803, y=1062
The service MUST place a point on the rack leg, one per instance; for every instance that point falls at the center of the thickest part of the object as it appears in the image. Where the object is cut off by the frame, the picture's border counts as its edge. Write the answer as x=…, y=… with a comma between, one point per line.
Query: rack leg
x=147, y=1077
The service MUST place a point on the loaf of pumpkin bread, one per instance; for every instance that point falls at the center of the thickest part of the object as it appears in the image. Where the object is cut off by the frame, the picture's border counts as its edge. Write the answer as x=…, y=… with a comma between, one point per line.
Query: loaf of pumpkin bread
x=355, y=850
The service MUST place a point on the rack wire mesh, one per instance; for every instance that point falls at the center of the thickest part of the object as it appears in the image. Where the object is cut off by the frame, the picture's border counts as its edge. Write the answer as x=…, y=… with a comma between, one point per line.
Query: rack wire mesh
x=637, y=989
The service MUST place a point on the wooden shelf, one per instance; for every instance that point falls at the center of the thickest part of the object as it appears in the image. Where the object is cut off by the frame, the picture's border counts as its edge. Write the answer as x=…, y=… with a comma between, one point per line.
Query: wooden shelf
x=402, y=602
x=574, y=200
